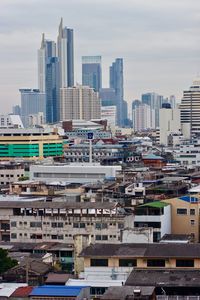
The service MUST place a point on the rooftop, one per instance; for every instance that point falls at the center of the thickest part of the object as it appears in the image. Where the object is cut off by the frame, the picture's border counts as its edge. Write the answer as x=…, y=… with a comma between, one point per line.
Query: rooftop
x=156, y=204
x=155, y=250
x=55, y=290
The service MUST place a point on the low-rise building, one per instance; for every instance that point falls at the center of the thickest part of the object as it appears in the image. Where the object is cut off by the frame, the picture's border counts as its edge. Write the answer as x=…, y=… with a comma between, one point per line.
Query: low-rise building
x=10, y=172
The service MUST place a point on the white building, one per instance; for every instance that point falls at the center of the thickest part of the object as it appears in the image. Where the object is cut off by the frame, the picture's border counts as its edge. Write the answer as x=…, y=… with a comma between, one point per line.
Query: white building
x=11, y=121
x=143, y=117
x=188, y=154
x=190, y=110
x=73, y=173
x=110, y=114
x=36, y=119
x=79, y=102
x=169, y=120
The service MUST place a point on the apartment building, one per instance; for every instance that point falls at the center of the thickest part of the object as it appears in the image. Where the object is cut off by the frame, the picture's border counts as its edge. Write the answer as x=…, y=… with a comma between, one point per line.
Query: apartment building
x=156, y=215
x=185, y=216
x=36, y=221
x=10, y=172
x=116, y=261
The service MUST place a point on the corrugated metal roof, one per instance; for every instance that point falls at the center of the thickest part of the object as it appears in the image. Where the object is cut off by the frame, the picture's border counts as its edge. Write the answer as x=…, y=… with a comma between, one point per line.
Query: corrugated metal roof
x=156, y=204
x=55, y=290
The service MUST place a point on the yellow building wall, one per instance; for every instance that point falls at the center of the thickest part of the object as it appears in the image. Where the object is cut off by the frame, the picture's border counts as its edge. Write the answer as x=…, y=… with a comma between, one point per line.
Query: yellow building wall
x=181, y=224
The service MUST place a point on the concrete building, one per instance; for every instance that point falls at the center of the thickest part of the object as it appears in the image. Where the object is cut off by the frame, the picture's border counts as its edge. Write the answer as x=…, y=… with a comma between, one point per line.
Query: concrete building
x=169, y=120
x=91, y=72
x=16, y=110
x=188, y=153
x=185, y=216
x=36, y=120
x=32, y=102
x=116, y=261
x=10, y=172
x=79, y=102
x=156, y=215
x=110, y=114
x=29, y=143
x=190, y=110
x=143, y=117
x=60, y=221
x=155, y=101
x=77, y=172
x=10, y=121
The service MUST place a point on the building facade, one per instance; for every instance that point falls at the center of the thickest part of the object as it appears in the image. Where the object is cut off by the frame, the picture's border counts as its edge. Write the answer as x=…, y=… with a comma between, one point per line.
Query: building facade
x=91, y=72
x=32, y=102
x=29, y=143
x=190, y=110
x=79, y=103
x=143, y=117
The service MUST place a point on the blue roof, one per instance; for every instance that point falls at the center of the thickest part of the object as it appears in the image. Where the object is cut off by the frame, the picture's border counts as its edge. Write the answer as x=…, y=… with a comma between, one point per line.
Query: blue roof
x=189, y=199
x=55, y=290
x=152, y=156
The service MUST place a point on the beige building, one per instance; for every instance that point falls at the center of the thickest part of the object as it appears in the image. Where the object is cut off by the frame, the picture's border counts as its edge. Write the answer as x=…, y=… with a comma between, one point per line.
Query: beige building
x=81, y=103
x=185, y=216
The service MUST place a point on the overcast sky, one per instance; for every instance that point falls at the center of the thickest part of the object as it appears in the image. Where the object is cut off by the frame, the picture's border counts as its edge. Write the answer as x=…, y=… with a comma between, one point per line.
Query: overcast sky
x=159, y=41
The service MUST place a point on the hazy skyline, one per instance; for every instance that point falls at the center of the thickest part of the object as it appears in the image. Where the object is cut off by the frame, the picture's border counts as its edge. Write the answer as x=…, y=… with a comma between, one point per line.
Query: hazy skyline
x=158, y=40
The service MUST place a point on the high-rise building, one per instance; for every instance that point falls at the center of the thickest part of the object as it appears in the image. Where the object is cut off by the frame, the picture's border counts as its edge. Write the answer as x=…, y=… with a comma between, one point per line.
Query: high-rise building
x=52, y=90
x=109, y=113
x=169, y=122
x=91, y=72
x=79, y=102
x=32, y=102
x=16, y=110
x=65, y=46
x=190, y=110
x=46, y=51
x=143, y=117
x=107, y=96
x=155, y=101
x=117, y=83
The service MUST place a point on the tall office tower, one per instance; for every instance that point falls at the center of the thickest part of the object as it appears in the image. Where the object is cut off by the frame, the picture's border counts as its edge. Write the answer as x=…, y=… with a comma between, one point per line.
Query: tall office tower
x=32, y=102
x=143, y=117
x=46, y=51
x=190, y=110
x=16, y=110
x=169, y=122
x=79, y=103
x=52, y=90
x=172, y=101
x=91, y=72
x=116, y=82
x=155, y=101
x=65, y=46
x=107, y=96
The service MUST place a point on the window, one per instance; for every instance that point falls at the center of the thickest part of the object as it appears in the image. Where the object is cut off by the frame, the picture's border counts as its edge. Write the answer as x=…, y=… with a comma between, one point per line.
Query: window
x=13, y=224
x=75, y=225
x=60, y=237
x=192, y=211
x=127, y=262
x=192, y=222
x=120, y=225
x=13, y=235
x=101, y=226
x=182, y=263
x=181, y=211
x=35, y=224
x=60, y=225
x=98, y=262
x=104, y=237
x=82, y=225
x=155, y=263
x=54, y=237
x=98, y=237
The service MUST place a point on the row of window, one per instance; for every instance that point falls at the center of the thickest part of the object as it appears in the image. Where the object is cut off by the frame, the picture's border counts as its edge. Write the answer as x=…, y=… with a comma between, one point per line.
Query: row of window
x=184, y=211
x=61, y=224
x=180, y=263
x=61, y=236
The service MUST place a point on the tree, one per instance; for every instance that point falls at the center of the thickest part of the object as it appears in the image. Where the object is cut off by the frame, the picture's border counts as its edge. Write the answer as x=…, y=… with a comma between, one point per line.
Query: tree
x=6, y=262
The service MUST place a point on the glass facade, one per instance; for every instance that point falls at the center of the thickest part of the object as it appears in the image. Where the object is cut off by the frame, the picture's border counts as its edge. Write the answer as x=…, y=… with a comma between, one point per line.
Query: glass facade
x=91, y=72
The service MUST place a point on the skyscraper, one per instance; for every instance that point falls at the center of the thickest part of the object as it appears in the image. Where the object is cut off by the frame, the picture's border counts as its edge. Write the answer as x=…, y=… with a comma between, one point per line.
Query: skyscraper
x=46, y=51
x=143, y=117
x=52, y=90
x=79, y=102
x=65, y=46
x=155, y=101
x=107, y=96
x=190, y=110
x=116, y=82
x=32, y=102
x=91, y=72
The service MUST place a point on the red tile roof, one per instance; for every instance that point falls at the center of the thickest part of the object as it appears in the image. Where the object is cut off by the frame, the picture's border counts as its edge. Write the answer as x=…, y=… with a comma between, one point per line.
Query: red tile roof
x=22, y=291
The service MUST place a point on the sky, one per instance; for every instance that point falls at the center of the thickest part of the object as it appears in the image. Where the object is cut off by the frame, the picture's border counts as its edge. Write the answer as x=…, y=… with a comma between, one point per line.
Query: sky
x=159, y=41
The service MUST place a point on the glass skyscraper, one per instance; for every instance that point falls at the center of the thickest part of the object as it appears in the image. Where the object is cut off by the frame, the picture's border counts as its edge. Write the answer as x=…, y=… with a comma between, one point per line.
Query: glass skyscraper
x=117, y=83
x=91, y=72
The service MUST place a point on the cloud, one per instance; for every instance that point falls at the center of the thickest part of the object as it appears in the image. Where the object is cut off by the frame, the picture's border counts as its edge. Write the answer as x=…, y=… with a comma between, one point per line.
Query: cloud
x=159, y=41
